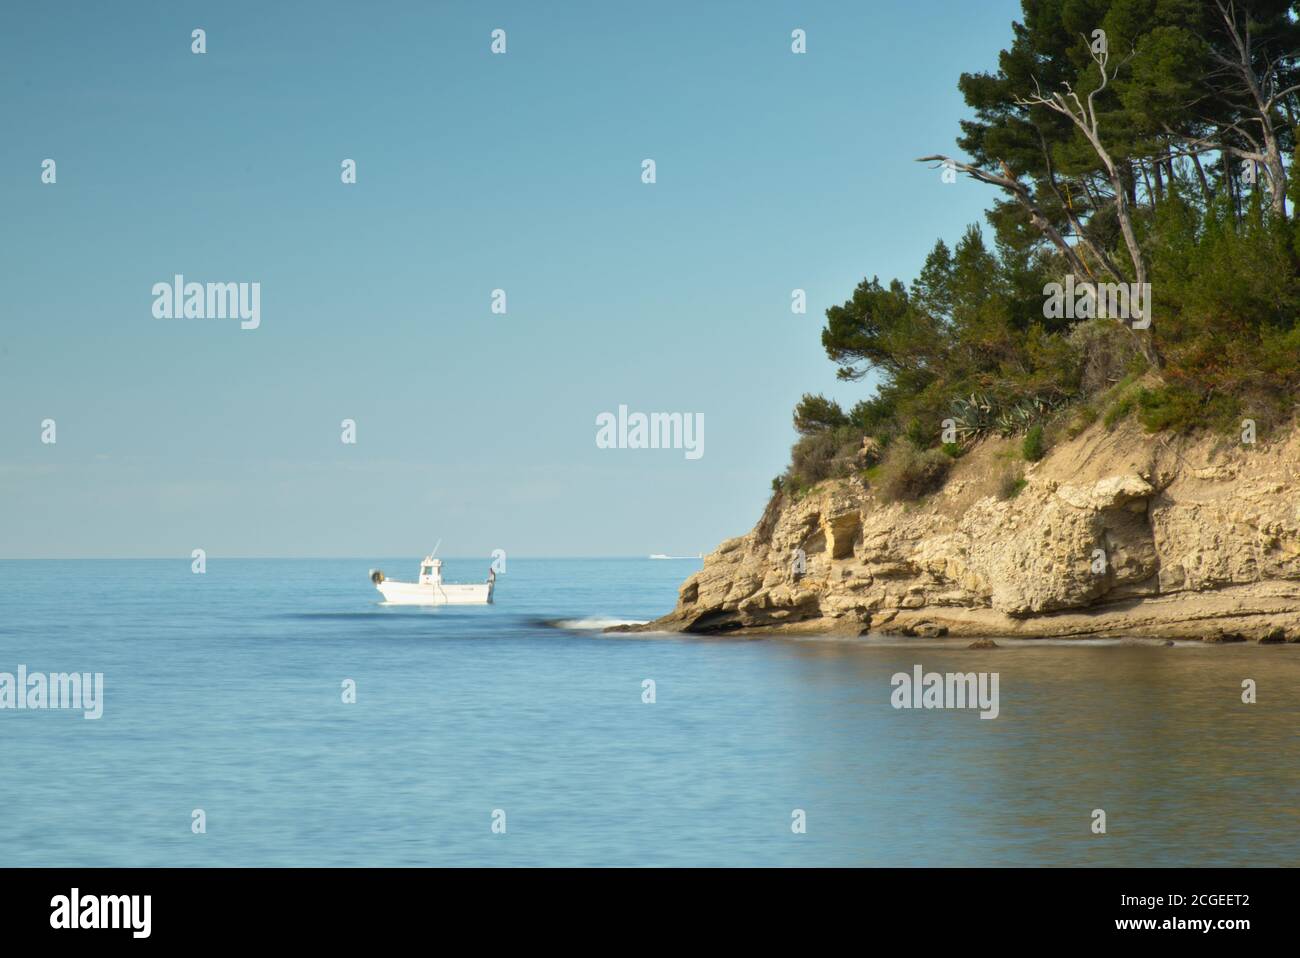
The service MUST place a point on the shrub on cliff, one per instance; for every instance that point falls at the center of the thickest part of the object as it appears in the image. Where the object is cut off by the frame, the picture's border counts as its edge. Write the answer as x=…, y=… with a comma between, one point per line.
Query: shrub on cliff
x=1033, y=447
x=1010, y=484
x=824, y=454
x=907, y=473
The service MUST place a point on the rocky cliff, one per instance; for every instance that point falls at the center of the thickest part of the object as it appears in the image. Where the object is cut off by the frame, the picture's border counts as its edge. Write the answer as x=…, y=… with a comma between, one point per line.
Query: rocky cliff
x=1113, y=533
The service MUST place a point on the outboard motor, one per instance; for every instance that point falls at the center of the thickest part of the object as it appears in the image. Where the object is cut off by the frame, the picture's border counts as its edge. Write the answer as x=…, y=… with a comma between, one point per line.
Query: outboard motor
x=376, y=576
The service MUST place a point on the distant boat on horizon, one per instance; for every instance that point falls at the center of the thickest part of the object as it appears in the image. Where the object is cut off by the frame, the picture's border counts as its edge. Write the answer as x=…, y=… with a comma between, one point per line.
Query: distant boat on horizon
x=660, y=555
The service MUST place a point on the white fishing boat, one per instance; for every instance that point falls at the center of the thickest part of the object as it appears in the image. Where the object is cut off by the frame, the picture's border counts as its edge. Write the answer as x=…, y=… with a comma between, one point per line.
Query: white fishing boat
x=431, y=590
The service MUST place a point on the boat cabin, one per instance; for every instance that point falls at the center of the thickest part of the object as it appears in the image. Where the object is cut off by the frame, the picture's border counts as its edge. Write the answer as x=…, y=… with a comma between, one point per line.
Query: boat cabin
x=431, y=571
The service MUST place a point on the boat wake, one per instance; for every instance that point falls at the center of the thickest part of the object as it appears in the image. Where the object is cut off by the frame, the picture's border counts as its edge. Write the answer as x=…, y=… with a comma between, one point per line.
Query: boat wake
x=594, y=623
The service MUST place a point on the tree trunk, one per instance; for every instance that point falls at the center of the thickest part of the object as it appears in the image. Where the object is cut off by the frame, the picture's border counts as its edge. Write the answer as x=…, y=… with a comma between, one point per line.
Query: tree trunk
x=1205, y=183
x=1245, y=68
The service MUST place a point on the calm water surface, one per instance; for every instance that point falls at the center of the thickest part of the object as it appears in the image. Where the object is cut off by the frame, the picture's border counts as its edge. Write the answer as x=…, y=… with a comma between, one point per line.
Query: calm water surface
x=222, y=692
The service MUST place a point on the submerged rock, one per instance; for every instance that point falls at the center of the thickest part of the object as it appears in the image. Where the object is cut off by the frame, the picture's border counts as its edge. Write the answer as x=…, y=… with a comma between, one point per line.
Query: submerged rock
x=983, y=644
x=1223, y=638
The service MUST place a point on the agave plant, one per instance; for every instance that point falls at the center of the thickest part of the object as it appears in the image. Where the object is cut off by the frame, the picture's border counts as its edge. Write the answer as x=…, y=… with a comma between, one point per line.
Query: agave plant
x=972, y=417
x=1018, y=418
x=979, y=416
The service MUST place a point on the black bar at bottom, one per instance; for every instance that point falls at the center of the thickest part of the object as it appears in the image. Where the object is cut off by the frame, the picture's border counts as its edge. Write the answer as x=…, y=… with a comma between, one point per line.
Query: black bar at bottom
x=335, y=906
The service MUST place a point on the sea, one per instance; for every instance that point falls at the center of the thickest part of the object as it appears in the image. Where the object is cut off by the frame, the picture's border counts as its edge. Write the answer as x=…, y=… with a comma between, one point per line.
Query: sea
x=272, y=712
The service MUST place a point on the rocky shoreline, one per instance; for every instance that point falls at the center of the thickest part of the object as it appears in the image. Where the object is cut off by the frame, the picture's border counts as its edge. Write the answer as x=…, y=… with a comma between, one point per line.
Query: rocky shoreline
x=1113, y=534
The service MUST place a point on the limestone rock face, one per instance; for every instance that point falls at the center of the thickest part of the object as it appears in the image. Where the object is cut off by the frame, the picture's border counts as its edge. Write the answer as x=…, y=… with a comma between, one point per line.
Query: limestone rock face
x=1109, y=535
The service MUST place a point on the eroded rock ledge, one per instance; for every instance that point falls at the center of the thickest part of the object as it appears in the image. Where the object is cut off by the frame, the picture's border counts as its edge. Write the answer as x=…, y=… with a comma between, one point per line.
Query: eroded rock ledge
x=1114, y=533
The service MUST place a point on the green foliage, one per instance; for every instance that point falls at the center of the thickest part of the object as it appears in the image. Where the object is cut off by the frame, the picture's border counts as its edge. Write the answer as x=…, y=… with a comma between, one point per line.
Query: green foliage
x=968, y=345
x=978, y=416
x=816, y=413
x=1175, y=408
x=1165, y=408
x=966, y=341
x=1227, y=326
x=1118, y=411
x=1032, y=446
x=1081, y=417
x=919, y=433
x=907, y=473
x=973, y=416
x=818, y=456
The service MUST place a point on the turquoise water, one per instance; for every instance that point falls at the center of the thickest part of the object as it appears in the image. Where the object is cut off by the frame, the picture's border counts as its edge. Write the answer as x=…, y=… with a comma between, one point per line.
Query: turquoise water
x=223, y=692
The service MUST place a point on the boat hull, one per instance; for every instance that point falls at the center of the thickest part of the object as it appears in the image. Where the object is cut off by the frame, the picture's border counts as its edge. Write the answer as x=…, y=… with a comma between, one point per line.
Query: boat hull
x=428, y=593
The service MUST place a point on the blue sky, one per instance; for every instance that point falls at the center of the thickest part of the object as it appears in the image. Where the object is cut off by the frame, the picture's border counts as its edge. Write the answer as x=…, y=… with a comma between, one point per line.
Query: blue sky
x=522, y=172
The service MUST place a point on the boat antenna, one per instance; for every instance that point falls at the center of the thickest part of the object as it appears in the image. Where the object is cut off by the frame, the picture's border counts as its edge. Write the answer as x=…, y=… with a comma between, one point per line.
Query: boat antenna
x=435, y=549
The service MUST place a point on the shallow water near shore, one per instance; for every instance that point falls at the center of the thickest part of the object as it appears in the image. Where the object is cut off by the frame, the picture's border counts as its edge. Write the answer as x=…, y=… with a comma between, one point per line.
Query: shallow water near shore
x=223, y=692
